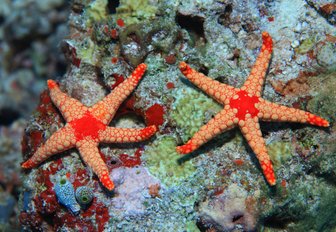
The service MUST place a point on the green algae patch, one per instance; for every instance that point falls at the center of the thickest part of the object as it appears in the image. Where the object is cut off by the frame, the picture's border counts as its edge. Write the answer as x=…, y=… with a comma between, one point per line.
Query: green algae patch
x=304, y=208
x=191, y=110
x=135, y=11
x=88, y=52
x=96, y=11
x=305, y=46
x=323, y=90
x=191, y=226
x=280, y=152
x=162, y=161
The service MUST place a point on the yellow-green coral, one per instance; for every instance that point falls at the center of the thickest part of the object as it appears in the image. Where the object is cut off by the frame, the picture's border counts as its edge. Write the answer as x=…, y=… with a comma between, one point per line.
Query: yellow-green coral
x=88, y=52
x=134, y=11
x=96, y=11
x=192, y=109
x=305, y=46
x=162, y=161
x=280, y=152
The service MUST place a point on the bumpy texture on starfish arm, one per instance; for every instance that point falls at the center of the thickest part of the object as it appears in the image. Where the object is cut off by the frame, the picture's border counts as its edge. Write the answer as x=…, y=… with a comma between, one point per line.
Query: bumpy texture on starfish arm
x=244, y=108
x=253, y=84
x=220, y=123
x=87, y=126
x=219, y=91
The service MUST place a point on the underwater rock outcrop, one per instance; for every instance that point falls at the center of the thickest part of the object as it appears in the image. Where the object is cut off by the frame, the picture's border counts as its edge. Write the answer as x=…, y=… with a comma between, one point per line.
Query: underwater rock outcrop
x=219, y=187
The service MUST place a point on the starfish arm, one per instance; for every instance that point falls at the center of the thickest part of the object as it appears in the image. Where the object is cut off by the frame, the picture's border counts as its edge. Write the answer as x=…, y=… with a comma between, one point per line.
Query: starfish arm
x=70, y=108
x=219, y=91
x=106, y=108
x=220, y=123
x=251, y=131
x=269, y=111
x=61, y=140
x=253, y=84
x=91, y=156
x=126, y=135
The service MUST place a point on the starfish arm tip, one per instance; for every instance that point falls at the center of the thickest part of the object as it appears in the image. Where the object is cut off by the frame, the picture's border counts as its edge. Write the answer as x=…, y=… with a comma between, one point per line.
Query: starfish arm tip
x=149, y=131
x=107, y=182
x=325, y=123
x=110, y=187
x=267, y=40
x=264, y=34
x=183, y=65
x=51, y=84
x=271, y=181
x=155, y=127
x=184, y=149
x=27, y=165
x=139, y=71
x=316, y=120
x=185, y=68
x=142, y=66
x=179, y=150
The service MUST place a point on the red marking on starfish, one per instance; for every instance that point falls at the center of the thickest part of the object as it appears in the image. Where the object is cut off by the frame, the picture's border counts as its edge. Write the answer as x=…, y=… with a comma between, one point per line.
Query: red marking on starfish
x=244, y=107
x=87, y=126
x=245, y=104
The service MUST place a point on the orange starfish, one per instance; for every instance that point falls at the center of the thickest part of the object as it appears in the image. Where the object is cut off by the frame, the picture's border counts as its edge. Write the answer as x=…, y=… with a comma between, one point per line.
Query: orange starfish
x=87, y=126
x=244, y=108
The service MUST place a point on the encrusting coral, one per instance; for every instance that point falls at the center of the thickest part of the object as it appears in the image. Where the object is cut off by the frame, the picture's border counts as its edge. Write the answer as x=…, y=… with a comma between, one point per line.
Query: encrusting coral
x=87, y=126
x=244, y=107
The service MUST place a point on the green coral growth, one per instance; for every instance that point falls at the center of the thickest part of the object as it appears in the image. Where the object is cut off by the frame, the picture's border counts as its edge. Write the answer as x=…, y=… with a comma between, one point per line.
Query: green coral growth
x=324, y=101
x=135, y=11
x=326, y=56
x=305, y=46
x=306, y=208
x=96, y=11
x=162, y=161
x=280, y=152
x=190, y=110
x=88, y=52
x=191, y=227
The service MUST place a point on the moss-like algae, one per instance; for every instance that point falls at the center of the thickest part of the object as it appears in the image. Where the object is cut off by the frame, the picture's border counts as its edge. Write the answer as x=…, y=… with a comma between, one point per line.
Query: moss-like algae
x=324, y=101
x=162, y=161
x=306, y=208
x=135, y=11
x=96, y=11
x=88, y=52
x=305, y=46
x=280, y=152
x=190, y=110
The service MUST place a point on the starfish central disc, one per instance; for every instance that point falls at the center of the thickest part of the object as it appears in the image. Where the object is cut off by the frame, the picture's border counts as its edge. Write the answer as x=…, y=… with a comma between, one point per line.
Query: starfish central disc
x=245, y=104
x=87, y=126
